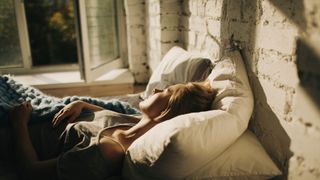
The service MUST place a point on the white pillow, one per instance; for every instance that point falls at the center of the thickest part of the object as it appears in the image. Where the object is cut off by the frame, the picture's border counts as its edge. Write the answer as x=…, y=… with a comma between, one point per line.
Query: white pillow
x=244, y=159
x=178, y=66
x=178, y=148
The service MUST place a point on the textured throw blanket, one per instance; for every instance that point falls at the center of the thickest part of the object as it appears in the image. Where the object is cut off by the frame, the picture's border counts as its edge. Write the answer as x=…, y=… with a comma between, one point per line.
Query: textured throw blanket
x=13, y=93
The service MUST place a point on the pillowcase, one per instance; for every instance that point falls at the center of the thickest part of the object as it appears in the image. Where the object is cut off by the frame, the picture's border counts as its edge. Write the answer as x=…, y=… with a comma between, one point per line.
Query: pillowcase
x=179, y=147
x=178, y=66
x=244, y=159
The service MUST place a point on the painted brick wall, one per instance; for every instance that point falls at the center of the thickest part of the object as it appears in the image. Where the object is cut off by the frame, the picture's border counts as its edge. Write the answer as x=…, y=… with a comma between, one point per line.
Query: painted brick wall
x=136, y=34
x=286, y=117
x=153, y=27
x=280, y=45
x=163, y=27
x=153, y=32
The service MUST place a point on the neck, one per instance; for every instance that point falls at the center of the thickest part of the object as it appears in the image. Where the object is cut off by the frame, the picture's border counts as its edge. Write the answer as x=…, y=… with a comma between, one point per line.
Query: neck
x=140, y=128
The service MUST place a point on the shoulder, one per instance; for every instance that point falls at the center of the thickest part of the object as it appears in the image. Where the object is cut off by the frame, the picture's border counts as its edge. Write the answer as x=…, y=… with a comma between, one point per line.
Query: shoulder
x=111, y=150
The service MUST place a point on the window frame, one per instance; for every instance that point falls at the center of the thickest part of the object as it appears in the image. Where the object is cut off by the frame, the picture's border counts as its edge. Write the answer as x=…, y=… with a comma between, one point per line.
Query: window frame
x=87, y=75
x=86, y=71
x=23, y=38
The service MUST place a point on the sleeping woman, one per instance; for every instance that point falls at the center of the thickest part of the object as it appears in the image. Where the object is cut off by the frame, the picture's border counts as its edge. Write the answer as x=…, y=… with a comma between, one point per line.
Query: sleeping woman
x=93, y=147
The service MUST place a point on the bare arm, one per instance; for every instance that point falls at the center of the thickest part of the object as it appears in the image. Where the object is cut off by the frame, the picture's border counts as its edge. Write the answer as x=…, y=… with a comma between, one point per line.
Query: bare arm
x=92, y=107
x=72, y=111
x=28, y=160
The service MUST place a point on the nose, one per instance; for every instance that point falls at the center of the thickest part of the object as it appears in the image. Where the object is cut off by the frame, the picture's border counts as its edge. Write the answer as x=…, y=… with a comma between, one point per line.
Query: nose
x=156, y=90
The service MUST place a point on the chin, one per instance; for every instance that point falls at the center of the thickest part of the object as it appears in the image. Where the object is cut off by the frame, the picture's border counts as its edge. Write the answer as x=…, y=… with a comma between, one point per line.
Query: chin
x=141, y=106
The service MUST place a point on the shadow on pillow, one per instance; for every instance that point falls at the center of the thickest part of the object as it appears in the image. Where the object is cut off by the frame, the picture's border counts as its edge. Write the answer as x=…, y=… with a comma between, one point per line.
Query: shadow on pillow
x=178, y=66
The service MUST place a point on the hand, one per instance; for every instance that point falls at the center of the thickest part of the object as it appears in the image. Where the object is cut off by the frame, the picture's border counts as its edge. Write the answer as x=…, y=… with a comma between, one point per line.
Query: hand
x=21, y=114
x=70, y=111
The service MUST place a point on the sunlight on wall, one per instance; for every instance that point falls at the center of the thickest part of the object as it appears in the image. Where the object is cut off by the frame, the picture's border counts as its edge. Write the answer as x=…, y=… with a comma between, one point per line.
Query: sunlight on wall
x=286, y=117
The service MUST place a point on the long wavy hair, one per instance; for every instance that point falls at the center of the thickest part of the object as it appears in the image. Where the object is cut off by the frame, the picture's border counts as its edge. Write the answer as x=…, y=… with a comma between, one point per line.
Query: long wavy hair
x=191, y=97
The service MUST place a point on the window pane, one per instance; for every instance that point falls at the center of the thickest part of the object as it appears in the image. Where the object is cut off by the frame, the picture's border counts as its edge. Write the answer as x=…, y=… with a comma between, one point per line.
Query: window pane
x=51, y=27
x=102, y=31
x=10, y=52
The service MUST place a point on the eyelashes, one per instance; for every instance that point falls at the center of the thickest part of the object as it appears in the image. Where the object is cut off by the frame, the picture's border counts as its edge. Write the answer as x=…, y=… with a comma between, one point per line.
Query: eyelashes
x=154, y=91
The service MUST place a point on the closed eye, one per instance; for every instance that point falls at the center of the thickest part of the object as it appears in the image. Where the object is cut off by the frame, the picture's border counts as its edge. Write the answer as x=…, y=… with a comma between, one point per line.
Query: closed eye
x=169, y=90
x=154, y=91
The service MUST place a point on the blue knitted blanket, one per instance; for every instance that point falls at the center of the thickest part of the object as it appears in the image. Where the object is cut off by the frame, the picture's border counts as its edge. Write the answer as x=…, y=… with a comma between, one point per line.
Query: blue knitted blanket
x=44, y=106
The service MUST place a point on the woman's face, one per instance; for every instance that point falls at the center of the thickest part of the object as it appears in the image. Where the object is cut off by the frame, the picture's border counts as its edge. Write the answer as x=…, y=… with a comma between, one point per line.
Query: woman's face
x=156, y=103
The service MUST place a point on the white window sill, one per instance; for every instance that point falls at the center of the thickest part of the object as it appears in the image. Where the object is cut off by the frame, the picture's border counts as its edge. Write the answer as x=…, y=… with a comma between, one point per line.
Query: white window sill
x=115, y=82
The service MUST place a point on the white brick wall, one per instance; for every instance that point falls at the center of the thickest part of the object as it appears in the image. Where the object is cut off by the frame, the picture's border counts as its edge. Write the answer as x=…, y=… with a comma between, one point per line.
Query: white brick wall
x=276, y=38
x=286, y=118
x=154, y=33
x=278, y=67
x=137, y=45
x=163, y=28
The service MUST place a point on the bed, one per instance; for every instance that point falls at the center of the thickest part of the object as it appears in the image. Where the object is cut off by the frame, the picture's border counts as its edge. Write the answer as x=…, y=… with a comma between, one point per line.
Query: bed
x=208, y=145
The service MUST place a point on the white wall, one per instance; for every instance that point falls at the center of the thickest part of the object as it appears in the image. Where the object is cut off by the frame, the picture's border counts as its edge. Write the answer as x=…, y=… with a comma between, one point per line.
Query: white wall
x=286, y=117
x=280, y=39
x=137, y=39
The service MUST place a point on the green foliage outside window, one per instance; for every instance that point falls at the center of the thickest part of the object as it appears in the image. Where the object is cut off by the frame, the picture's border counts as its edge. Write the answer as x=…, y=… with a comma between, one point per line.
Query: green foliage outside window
x=51, y=26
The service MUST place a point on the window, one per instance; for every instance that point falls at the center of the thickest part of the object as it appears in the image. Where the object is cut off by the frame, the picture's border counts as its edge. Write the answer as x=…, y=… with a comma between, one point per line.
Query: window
x=11, y=54
x=40, y=36
x=52, y=34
